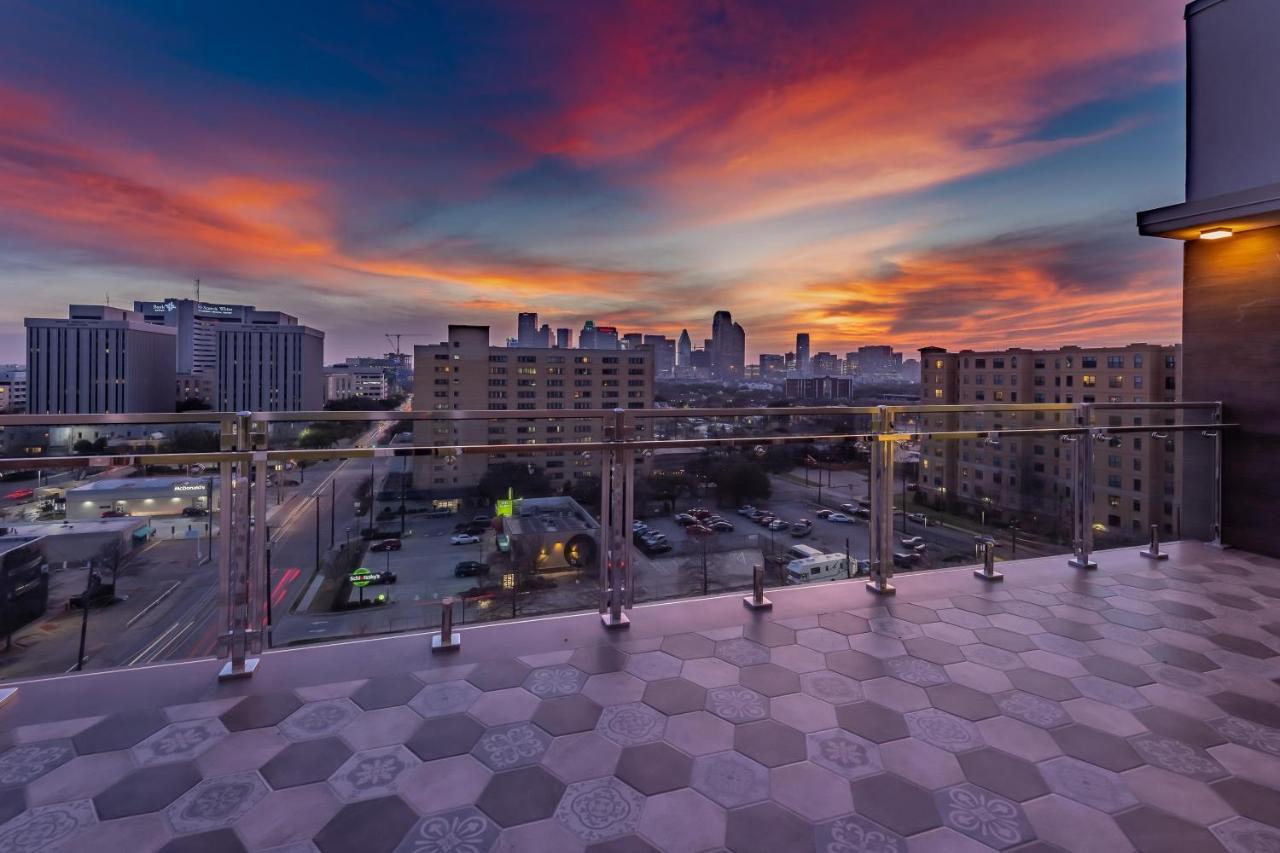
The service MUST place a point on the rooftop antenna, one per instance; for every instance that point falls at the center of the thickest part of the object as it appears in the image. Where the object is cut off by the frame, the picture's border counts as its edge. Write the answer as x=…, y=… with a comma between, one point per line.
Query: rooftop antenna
x=197, y=290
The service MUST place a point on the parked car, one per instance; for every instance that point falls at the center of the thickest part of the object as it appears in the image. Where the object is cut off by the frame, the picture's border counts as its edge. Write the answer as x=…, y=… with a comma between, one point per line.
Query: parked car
x=906, y=559
x=194, y=512
x=684, y=519
x=862, y=512
x=839, y=518
x=464, y=539
x=918, y=517
x=779, y=524
x=765, y=520
x=721, y=526
x=470, y=569
x=824, y=513
x=114, y=513
x=386, y=545
x=698, y=530
x=700, y=513
x=801, y=528
x=746, y=509
x=913, y=541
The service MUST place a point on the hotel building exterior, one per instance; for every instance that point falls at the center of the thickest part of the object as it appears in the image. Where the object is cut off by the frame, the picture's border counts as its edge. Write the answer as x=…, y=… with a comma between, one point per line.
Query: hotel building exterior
x=466, y=373
x=1029, y=480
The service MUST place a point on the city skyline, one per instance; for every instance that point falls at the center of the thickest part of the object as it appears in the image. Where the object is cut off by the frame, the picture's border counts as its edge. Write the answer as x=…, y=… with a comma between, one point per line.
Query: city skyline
x=398, y=170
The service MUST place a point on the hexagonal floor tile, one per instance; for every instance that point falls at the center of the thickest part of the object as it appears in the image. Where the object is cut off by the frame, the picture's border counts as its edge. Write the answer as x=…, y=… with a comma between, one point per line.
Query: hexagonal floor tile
x=874, y=722
x=1003, y=774
x=854, y=832
x=653, y=768
x=176, y=742
x=1094, y=787
x=674, y=696
x=445, y=697
x=441, y=737
x=766, y=828
x=372, y=773
x=512, y=745
x=559, y=680
x=741, y=652
x=148, y=789
x=983, y=816
x=943, y=730
x=651, y=666
x=305, y=762
x=737, y=704
x=730, y=778
x=260, y=709
x=567, y=714
x=600, y=809
x=769, y=742
x=386, y=691
x=319, y=719
x=769, y=679
x=216, y=803
x=372, y=826
x=119, y=731
x=465, y=830
x=843, y=753
x=632, y=724
x=895, y=803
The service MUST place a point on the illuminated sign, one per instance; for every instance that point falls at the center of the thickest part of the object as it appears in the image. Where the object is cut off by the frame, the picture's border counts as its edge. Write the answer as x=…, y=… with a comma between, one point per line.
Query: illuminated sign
x=190, y=487
x=219, y=310
x=362, y=577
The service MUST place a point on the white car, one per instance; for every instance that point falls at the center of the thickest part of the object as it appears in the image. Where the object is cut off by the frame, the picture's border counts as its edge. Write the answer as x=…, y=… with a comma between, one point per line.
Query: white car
x=913, y=541
x=463, y=539
x=839, y=518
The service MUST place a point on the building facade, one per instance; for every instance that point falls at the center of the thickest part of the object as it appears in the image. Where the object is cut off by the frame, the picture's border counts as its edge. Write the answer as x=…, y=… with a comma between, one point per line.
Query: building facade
x=270, y=363
x=13, y=388
x=802, y=354
x=99, y=360
x=344, y=381
x=819, y=388
x=1030, y=480
x=466, y=373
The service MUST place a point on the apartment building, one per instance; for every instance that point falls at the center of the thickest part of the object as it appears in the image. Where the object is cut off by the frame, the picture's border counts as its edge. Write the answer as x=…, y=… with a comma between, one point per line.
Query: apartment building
x=99, y=360
x=466, y=372
x=13, y=388
x=1030, y=480
x=344, y=381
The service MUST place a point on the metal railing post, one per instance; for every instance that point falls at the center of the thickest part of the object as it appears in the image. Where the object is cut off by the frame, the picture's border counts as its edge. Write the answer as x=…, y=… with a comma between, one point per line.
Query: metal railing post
x=881, y=493
x=616, y=476
x=756, y=600
x=1216, y=495
x=985, y=550
x=448, y=639
x=1082, y=506
x=1153, y=551
x=238, y=553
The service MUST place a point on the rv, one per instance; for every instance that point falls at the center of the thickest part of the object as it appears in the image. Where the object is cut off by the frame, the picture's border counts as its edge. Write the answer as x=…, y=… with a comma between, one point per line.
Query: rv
x=823, y=567
x=802, y=552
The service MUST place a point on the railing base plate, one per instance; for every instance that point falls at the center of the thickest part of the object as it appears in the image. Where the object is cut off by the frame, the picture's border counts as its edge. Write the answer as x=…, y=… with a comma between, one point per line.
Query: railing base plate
x=1159, y=555
x=1087, y=565
x=440, y=644
x=623, y=620
x=1219, y=544
x=750, y=602
x=228, y=673
x=981, y=575
x=881, y=588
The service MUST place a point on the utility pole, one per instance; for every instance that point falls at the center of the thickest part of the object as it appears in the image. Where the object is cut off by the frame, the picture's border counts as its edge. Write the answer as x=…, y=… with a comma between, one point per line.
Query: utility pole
x=333, y=511
x=317, y=534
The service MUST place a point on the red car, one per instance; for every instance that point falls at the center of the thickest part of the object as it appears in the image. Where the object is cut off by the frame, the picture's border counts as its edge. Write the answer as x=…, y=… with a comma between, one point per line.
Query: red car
x=20, y=494
x=698, y=530
x=387, y=545
x=114, y=513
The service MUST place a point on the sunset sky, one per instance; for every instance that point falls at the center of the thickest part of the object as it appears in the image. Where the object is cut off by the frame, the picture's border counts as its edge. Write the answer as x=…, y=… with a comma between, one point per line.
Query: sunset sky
x=911, y=172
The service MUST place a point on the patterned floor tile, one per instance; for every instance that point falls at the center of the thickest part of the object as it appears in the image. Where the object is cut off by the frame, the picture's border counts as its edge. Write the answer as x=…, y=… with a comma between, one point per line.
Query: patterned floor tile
x=21, y=765
x=943, y=730
x=730, y=778
x=465, y=830
x=216, y=803
x=1178, y=757
x=1094, y=787
x=319, y=719
x=737, y=704
x=446, y=697
x=855, y=834
x=178, y=741
x=831, y=687
x=372, y=773
x=741, y=652
x=600, y=809
x=632, y=724
x=1241, y=835
x=983, y=816
x=560, y=680
x=843, y=753
x=916, y=671
x=46, y=827
x=1032, y=709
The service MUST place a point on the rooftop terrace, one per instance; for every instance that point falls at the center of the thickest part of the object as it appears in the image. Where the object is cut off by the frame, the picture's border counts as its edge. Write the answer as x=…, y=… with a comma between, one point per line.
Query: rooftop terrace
x=1133, y=707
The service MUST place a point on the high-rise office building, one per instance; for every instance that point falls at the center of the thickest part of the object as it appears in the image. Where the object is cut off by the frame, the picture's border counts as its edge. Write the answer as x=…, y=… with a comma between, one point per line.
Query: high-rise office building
x=1030, y=480
x=632, y=340
x=825, y=364
x=527, y=329
x=684, y=349
x=465, y=372
x=100, y=360
x=544, y=336
x=802, y=354
x=664, y=354
x=587, y=337
x=564, y=338
x=269, y=362
x=772, y=364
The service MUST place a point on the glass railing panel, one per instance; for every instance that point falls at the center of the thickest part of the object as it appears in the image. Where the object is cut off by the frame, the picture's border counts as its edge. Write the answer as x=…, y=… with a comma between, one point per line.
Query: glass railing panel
x=110, y=540
x=376, y=543
x=1155, y=467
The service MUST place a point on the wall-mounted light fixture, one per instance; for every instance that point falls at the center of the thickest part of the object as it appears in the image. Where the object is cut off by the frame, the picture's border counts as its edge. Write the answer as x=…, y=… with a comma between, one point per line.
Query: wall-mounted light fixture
x=1215, y=233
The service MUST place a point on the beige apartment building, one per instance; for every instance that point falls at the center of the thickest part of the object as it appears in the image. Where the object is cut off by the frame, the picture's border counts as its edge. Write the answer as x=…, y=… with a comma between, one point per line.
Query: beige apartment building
x=467, y=373
x=1030, y=480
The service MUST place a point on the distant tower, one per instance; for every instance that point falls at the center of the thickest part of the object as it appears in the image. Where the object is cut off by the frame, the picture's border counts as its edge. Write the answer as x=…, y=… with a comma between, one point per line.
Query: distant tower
x=564, y=338
x=802, y=353
x=684, y=350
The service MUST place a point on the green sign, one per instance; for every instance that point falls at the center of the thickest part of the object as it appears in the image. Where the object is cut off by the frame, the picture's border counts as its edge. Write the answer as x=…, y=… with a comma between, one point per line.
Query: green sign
x=506, y=508
x=361, y=577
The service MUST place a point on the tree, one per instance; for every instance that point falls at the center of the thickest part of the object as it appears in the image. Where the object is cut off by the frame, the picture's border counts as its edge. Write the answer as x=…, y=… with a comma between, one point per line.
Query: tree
x=84, y=446
x=192, y=404
x=111, y=557
x=738, y=482
x=585, y=490
x=194, y=441
x=525, y=481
